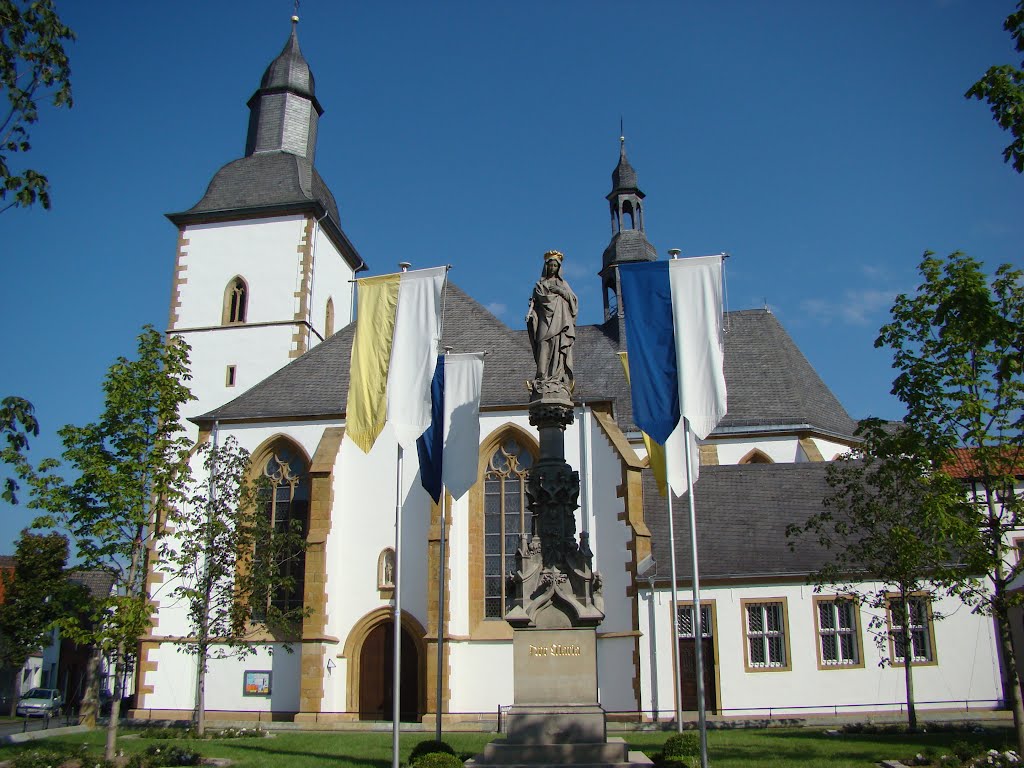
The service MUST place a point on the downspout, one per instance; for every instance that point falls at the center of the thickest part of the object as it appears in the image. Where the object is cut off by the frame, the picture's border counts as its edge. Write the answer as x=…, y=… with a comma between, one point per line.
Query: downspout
x=312, y=277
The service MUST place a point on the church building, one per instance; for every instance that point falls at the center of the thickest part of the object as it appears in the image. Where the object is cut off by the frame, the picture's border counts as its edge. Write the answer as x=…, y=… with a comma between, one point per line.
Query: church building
x=263, y=293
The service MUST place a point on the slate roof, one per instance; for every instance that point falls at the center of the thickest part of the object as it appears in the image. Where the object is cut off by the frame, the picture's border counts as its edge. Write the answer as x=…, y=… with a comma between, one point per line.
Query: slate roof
x=770, y=382
x=290, y=70
x=264, y=180
x=742, y=512
x=97, y=582
x=628, y=245
x=624, y=176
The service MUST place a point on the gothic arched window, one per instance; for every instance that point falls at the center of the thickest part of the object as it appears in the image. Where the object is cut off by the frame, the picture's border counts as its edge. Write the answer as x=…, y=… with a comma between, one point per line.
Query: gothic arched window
x=284, y=498
x=756, y=456
x=505, y=520
x=236, y=301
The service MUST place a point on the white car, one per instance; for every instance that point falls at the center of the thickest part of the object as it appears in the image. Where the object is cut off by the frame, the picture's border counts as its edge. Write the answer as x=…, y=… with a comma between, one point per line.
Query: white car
x=40, y=702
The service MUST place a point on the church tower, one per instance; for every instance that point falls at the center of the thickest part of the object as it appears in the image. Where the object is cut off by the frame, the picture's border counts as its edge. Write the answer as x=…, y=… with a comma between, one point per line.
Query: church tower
x=628, y=243
x=263, y=266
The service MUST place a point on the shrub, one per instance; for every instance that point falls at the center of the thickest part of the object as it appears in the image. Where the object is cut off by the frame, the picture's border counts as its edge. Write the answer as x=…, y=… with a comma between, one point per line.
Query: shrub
x=237, y=733
x=51, y=758
x=438, y=760
x=40, y=758
x=429, y=747
x=949, y=761
x=965, y=750
x=996, y=759
x=680, y=745
x=171, y=755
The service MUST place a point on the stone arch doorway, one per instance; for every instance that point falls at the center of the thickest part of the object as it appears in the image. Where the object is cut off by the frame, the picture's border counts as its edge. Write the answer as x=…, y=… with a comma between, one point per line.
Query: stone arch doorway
x=376, y=675
x=371, y=668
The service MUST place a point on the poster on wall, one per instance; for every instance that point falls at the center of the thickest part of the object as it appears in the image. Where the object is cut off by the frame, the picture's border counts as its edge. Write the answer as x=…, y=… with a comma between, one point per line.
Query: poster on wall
x=257, y=682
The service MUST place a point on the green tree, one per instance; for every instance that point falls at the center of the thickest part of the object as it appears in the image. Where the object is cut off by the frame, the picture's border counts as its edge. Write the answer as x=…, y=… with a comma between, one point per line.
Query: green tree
x=225, y=559
x=33, y=64
x=36, y=595
x=884, y=523
x=17, y=423
x=1003, y=88
x=123, y=471
x=958, y=348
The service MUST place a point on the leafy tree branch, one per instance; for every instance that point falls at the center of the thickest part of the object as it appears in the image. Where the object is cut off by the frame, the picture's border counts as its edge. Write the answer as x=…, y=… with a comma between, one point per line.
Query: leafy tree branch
x=33, y=64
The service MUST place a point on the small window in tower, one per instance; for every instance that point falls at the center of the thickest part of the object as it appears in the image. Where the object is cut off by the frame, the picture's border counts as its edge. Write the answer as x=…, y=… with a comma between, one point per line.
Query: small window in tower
x=230, y=377
x=236, y=301
x=613, y=303
x=627, y=212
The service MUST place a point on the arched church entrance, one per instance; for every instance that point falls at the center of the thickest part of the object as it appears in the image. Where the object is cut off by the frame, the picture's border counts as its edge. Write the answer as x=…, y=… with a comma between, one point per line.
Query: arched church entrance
x=375, y=673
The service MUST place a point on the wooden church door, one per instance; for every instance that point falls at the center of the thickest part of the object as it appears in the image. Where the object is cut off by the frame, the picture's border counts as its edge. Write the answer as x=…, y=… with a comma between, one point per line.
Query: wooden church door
x=376, y=675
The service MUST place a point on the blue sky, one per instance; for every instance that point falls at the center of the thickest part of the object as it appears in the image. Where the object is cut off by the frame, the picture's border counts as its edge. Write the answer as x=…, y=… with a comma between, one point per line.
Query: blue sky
x=824, y=146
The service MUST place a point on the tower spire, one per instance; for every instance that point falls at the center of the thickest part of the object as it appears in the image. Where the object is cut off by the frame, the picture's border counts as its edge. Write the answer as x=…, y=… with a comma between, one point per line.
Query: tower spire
x=628, y=243
x=284, y=112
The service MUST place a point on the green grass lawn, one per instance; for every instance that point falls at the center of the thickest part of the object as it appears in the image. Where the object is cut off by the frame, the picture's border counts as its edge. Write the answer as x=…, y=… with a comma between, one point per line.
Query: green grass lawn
x=775, y=747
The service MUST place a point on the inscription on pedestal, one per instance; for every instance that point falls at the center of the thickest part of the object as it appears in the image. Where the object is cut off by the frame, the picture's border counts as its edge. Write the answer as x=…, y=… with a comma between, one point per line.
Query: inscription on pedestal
x=555, y=666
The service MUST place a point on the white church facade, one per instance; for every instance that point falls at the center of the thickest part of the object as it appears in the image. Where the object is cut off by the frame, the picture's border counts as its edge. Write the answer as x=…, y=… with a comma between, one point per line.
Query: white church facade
x=263, y=293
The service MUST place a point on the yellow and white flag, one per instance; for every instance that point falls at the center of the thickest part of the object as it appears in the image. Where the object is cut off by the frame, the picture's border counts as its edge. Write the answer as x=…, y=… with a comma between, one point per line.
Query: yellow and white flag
x=393, y=355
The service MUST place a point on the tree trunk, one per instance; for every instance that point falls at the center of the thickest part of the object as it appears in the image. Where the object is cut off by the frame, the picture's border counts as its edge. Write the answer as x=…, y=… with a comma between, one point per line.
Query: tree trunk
x=1011, y=689
x=908, y=663
x=90, y=705
x=15, y=691
x=201, y=692
x=115, y=704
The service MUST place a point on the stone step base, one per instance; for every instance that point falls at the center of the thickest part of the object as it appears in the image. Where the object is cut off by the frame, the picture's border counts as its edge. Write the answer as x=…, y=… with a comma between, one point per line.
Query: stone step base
x=633, y=760
x=613, y=752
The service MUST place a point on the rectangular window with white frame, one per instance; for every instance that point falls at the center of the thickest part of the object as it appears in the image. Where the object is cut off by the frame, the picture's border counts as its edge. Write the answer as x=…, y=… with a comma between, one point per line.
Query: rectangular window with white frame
x=766, y=622
x=918, y=624
x=837, y=620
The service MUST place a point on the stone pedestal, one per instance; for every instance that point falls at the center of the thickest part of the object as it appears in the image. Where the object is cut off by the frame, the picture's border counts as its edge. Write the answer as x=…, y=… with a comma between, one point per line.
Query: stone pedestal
x=555, y=718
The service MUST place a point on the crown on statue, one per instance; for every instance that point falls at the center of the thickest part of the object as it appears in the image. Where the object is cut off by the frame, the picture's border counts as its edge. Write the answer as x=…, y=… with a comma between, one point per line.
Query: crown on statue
x=557, y=255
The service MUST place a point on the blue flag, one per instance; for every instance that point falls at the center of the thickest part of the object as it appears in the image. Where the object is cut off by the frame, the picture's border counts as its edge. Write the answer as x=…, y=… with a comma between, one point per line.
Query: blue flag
x=430, y=444
x=653, y=367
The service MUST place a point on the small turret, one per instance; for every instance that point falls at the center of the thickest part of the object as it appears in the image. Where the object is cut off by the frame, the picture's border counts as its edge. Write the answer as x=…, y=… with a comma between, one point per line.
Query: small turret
x=629, y=243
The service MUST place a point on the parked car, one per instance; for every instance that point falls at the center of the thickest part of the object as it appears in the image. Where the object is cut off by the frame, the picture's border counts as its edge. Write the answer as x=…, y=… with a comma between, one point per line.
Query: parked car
x=40, y=702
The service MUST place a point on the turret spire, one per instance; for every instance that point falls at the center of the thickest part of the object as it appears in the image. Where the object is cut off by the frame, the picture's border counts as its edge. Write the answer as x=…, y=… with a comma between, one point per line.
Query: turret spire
x=629, y=243
x=284, y=111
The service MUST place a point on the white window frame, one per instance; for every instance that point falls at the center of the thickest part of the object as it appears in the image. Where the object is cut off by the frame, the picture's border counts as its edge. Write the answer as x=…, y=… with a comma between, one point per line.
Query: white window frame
x=922, y=631
x=769, y=642
x=833, y=628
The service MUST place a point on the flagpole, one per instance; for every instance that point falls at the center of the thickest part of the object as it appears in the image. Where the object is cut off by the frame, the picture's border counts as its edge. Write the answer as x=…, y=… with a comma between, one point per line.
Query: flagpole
x=396, y=698
x=440, y=597
x=677, y=687
x=698, y=630
x=440, y=617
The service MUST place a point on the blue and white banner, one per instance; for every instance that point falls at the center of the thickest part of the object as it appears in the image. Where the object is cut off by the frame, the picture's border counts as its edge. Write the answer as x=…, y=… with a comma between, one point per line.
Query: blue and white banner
x=673, y=312
x=448, y=450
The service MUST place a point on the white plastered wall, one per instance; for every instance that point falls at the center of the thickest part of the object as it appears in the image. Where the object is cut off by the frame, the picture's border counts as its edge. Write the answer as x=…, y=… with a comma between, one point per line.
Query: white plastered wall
x=964, y=647
x=331, y=280
x=265, y=253
x=362, y=526
x=781, y=450
x=829, y=449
